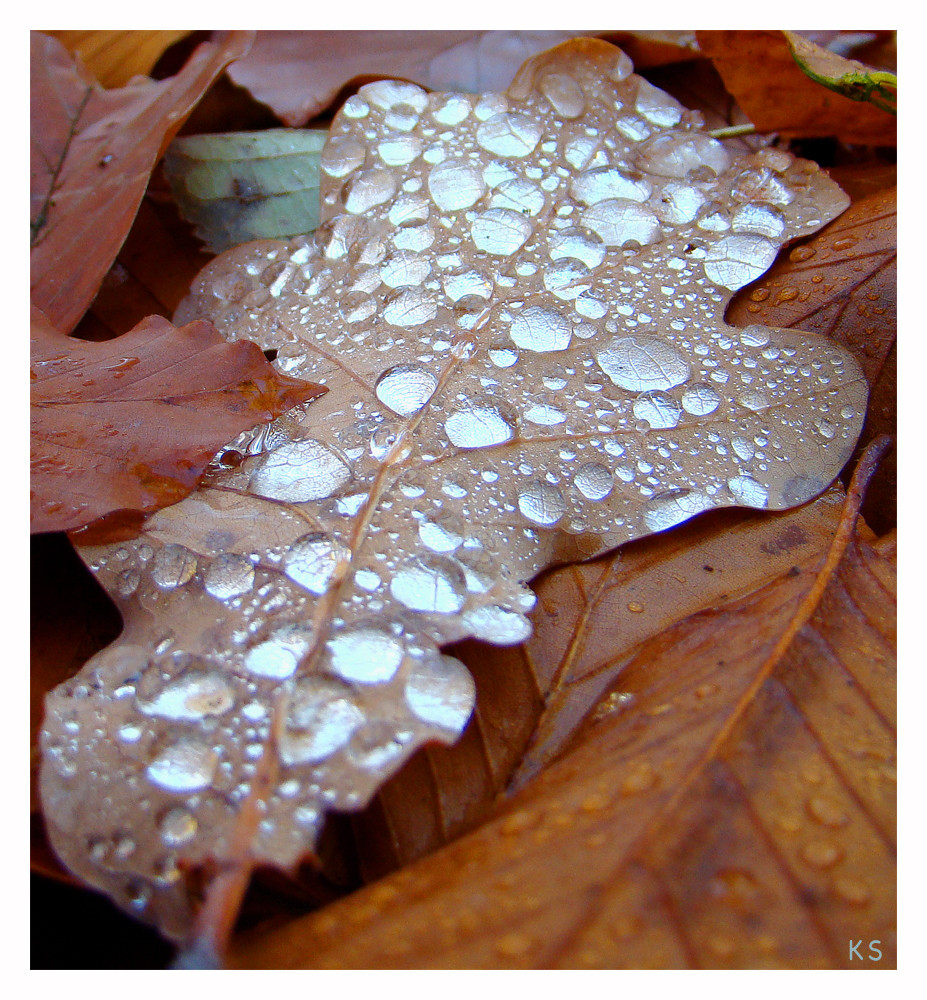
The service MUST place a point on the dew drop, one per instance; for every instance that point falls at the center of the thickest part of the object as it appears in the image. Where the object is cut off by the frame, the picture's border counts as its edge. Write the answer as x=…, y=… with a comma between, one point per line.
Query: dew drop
x=666, y=510
x=593, y=480
x=679, y=153
x=658, y=409
x=173, y=566
x=312, y=560
x=498, y=625
x=440, y=691
x=539, y=329
x=404, y=269
x=509, y=134
x=500, y=231
x=279, y=656
x=300, y=471
x=177, y=826
x=367, y=189
x=365, y=653
x=564, y=93
x=455, y=185
x=541, y=503
x=431, y=584
x=700, y=400
x=579, y=244
x=192, y=697
x=480, y=423
x=748, y=491
x=606, y=183
x=405, y=389
x=619, y=221
x=229, y=575
x=643, y=362
x=342, y=155
x=735, y=261
x=185, y=766
x=322, y=718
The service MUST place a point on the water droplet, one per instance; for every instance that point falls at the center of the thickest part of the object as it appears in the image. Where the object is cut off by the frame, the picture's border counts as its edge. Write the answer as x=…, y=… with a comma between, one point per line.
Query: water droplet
x=404, y=268
x=229, y=575
x=367, y=189
x=509, y=134
x=700, y=400
x=173, y=566
x=191, y=697
x=300, y=471
x=279, y=656
x=821, y=853
x=580, y=244
x=564, y=93
x=480, y=423
x=643, y=362
x=440, y=691
x=177, y=826
x=735, y=261
x=431, y=584
x=541, y=503
x=500, y=231
x=568, y=279
x=439, y=535
x=606, y=183
x=185, y=766
x=641, y=777
x=398, y=150
x=620, y=221
x=679, y=153
x=519, y=195
x=342, y=155
x=764, y=220
x=405, y=389
x=455, y=185
x=498, y=625
x=540, y=329
x=593, y=480
x=658, y=409
x=753, y=399
x=679, y=204
x=312, y=560
x=852, y=891
x=365, y=653
x=827, y=811
x=409, y=307
x=748, y=491
x=668, y=509
x=658, y=107
x=321, y=720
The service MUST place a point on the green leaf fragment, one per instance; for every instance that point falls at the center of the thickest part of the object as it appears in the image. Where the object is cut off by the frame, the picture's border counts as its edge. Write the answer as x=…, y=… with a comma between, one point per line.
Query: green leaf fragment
x=245, y=186
x=847, y=77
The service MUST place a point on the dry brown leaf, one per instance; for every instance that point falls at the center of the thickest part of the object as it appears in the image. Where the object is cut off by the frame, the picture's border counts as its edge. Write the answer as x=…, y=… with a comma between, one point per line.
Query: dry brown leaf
x=92, y=152
x=759, y=70
x=732, y=808
x=459, y=316
x=114, y=57
x=299, y=73
x=129, y=425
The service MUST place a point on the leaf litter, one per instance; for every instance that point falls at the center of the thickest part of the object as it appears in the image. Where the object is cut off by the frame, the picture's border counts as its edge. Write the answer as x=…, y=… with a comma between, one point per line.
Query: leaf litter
x=516, y=302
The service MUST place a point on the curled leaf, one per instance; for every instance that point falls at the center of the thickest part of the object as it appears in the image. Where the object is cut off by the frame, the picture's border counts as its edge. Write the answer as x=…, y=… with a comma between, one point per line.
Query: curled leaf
x=516, y=301
x=114, y=57
x=130, y=424
x=245, y=186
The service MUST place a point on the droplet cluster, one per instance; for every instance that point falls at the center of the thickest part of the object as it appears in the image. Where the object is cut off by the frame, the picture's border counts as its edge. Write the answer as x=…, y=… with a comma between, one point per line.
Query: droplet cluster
x=516, y=301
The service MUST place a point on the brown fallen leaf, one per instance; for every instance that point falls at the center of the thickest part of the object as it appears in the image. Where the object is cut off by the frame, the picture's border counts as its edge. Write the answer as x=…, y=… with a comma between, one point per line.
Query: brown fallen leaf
x=760, y=71
x=92, y=153
x=299, y=73
x=114, y=57
x=130, y=424
x=739, y=813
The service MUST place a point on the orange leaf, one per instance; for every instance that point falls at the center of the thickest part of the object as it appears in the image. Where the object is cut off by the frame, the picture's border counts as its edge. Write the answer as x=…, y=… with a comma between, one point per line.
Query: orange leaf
x=760, y=71
x=114, y=57
x=740, y=815
x=92, y=152
x=130, y=424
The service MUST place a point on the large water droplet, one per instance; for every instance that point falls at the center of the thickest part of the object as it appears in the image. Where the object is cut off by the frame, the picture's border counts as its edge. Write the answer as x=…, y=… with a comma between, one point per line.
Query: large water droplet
x=643, y=362
x=593, y=480
x=700, y=400
x=321, y=719
x=177, y=826
x=311, y=560
x=405, y=389
x=367, y=189
x=185, y=766
x=410, y=307
x=368, y=654
x=455, y=185
x=580, y=244
x=620, y=221
x=748, y=491
x=658, y=409
x=404, y=269
x=540, y=329
x=300, y=471
x=519, y=195
x=500, y=231
x=341, y=155
x=440, y=691
x=192, y=697
x=279, y=656
x=735, y=261
x=397, y=150
x=498, y=625
x=480, y=423
x=605, y=183
x=173, y=566
x=509, y=134
x=678, y=153
x=542, y=503
x=668, y=509
x=564, y=93
x=430, y=583
x=229, y=575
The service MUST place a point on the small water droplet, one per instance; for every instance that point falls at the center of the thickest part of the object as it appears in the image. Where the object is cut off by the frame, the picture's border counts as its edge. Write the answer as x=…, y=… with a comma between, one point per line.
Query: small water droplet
x=185, y=766
x=368, y=654
x=405, y=389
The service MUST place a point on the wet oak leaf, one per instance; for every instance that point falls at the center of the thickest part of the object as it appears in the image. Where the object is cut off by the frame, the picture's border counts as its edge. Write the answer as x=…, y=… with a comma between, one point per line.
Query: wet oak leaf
x=760, y=71
x=733, y=808
x=92, y=153
x=516, y=302
x=131, y=424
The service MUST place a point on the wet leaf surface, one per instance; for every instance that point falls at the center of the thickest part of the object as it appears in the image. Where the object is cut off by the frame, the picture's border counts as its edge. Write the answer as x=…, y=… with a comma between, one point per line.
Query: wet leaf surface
x=129, y=425
x=92, y=152
x=520, y=322
x=730, y=805
x=760, y=71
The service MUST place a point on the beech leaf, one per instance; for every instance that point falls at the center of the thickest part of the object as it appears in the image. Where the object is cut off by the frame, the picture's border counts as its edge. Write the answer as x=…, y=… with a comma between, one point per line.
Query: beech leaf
x=130, y=424
x=92, y=153
x=516, y=302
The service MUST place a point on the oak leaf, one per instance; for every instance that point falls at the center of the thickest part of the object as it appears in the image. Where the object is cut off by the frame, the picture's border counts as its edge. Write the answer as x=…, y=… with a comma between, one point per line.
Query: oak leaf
x=734, y=807
x=516, y=301
x=92, y=153
x=130, y=424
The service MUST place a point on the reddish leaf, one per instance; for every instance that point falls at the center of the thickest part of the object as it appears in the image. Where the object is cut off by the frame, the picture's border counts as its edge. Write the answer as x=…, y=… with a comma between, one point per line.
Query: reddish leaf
x=131, y=423
x=93, y=151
